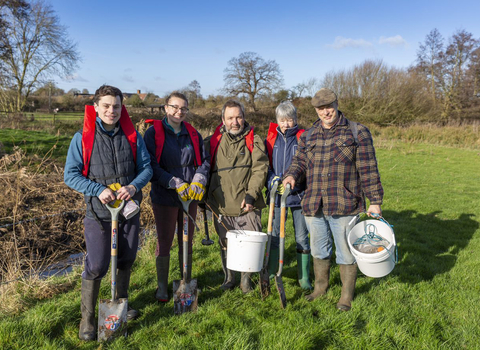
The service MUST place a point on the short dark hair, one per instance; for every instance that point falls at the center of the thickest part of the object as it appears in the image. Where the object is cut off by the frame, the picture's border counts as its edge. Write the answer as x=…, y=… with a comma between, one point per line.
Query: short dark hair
x=233, y=103
x=177, y=95
x=107, y=90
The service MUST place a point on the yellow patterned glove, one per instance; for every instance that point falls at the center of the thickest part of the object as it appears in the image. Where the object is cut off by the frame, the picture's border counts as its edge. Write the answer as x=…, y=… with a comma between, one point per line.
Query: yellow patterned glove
x=196, y=190
x=181, y=187
x=280, y=188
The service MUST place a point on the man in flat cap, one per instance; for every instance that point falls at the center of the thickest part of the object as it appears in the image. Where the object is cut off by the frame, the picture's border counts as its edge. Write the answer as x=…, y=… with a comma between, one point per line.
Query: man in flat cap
x=337, y=158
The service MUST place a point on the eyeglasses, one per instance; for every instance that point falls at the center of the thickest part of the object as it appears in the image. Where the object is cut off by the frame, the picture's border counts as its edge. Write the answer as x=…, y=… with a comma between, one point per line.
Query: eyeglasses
x=176, y=108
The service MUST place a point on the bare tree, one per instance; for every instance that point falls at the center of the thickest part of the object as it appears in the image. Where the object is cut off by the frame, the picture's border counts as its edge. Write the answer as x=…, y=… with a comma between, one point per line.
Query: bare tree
x=252, y=76
x=192, y=91
x=35, y=47
x=429, y=60
x=456, y=59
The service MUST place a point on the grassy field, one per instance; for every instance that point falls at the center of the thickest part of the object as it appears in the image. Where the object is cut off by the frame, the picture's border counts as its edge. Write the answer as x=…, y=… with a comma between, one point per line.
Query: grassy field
x=35, y=143
x=429, y=301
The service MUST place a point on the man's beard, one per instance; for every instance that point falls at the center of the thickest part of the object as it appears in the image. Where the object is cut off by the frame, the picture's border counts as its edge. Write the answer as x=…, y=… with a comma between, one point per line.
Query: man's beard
x=235, y=132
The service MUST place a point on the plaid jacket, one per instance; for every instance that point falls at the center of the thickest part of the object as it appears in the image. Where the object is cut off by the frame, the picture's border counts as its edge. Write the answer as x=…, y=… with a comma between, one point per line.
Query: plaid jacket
x=339, y=173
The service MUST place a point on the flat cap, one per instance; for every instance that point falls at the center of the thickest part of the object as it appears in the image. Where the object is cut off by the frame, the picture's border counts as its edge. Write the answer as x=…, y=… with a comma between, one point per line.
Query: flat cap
x=323, y=97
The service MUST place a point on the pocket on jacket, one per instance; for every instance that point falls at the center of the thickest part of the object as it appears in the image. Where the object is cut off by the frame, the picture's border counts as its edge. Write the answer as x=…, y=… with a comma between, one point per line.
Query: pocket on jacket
x=344, y=150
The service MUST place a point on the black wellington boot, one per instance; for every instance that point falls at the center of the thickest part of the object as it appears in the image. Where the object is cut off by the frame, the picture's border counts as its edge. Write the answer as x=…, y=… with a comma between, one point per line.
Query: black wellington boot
x=229, y=281
x=123, y=281
x=88, y=330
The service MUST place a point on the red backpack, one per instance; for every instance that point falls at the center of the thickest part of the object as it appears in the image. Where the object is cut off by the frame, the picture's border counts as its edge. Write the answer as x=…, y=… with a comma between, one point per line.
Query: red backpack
x=272, y=137
x=215, y=141
x=160, y=139
x=88, y=135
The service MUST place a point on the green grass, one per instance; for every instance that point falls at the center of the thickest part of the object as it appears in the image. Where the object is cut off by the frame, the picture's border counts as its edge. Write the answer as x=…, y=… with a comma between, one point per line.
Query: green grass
x=35, y=143
x=429, y=301
x=62, y=116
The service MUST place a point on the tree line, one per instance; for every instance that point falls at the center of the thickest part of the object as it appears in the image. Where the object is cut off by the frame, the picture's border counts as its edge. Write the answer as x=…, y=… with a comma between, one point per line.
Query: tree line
x=442, y=84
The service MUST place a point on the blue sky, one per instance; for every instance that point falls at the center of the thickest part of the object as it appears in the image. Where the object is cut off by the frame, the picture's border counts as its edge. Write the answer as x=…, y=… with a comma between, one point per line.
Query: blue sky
x=158, y=46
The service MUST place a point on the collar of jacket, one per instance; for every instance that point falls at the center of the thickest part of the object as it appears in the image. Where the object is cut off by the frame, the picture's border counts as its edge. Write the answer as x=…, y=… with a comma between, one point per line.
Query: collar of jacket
x=168, y=128
x=102, y=128
x=289, y=132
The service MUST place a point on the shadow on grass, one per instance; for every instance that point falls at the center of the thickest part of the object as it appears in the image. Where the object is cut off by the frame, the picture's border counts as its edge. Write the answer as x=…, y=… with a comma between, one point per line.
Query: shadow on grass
x=428, y=245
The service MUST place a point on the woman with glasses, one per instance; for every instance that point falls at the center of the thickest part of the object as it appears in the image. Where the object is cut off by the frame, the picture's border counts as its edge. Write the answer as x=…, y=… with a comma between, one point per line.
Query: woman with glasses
x=180, y=172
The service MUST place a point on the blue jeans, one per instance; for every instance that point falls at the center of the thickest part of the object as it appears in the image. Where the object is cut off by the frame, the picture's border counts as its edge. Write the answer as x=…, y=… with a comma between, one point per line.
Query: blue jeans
x=322, y=229
x=299, y=225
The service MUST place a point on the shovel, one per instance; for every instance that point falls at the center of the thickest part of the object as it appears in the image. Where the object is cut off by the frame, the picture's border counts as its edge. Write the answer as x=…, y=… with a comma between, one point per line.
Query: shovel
x=112, y=314
x=278, y=276
x=185, y=293
x=264, y=274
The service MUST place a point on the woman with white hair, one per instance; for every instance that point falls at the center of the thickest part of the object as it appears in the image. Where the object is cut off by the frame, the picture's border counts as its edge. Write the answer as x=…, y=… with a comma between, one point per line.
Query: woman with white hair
x=282, y=143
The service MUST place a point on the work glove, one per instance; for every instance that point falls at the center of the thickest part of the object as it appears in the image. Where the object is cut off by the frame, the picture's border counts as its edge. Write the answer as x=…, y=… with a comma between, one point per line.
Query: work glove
x=130, y=209
x=180, y=186
x=197, y=187
x=280, y=188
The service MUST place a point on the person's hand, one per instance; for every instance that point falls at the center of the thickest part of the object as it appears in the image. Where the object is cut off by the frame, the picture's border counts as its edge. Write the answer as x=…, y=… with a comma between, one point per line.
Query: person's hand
x=288, y=180
x=374, y=211
x=126, y=192
x=181, y=187
x=196, y=190
x=107, y=196
x=246, y=207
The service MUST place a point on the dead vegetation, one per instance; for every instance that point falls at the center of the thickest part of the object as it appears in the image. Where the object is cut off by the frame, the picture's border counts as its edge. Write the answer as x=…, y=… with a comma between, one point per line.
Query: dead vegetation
x=41, y=219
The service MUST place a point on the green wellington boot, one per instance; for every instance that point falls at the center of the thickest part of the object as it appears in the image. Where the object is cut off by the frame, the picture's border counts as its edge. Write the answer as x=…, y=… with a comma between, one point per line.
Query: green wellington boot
x=303, y=270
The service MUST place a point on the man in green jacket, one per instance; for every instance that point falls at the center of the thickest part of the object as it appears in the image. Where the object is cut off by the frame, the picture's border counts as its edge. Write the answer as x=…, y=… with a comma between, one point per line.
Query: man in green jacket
x=239, y=166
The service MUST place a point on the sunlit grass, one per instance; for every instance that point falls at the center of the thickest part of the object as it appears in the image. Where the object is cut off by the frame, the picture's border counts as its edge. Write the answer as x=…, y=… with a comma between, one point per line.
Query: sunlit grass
x=429, y=301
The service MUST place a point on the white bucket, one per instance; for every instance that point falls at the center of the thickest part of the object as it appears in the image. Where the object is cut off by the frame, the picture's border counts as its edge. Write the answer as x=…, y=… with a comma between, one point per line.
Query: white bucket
x=245, y=250
x=377, y=264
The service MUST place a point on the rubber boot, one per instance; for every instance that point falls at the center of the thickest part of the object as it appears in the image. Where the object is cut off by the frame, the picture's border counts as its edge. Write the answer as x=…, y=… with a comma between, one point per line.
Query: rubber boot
x=246, y=282
x=229, y=280
x=123, y=281
x=348, y=275
x=87, y=330
x=163, y=265
x=303, y=269
x=273, y=261
x=321, y=267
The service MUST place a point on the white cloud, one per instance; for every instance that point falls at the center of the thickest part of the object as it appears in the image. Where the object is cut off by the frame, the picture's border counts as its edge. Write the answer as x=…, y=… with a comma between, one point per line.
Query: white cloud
x=396, y=40
x=75, y=77
x=341, y=42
